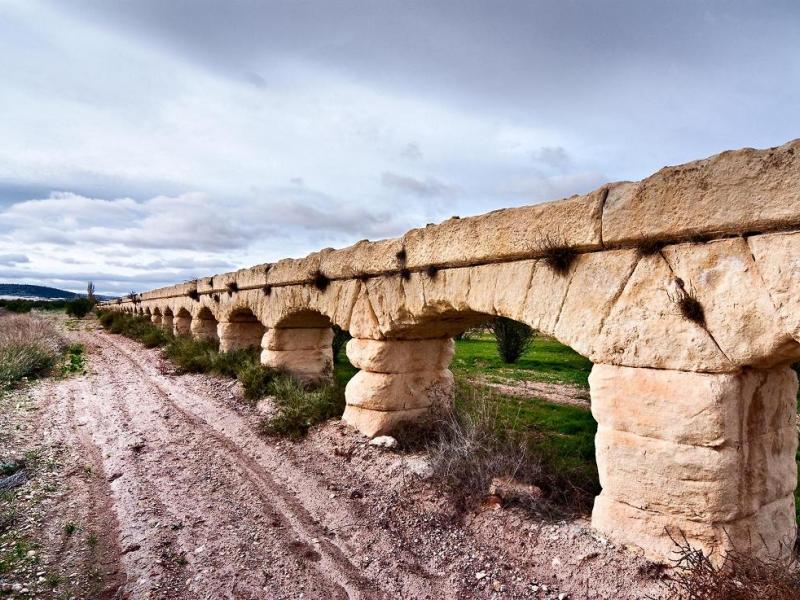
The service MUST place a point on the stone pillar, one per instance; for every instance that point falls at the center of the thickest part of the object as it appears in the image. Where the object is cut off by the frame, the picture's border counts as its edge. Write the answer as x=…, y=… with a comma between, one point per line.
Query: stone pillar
x=708, y=456
x=155, y=319
x=204, y=329
x=305, y=353
x=182, y=325
x=166, y=322
x=399, y=381
x=239, y=334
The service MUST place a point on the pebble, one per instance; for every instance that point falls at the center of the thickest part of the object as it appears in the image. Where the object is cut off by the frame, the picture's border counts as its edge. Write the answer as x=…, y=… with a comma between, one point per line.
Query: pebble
x=480, y=575
x=383, y=441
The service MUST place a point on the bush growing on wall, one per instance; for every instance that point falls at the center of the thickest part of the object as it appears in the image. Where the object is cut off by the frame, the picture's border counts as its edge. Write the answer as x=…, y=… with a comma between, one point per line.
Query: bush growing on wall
x=512, y=337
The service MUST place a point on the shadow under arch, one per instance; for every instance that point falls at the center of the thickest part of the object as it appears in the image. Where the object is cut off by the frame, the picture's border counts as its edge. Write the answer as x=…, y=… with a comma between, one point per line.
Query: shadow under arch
x=301, y=345
x=167, y=319
x=204, y=325
x=182, y=322
x=241, y=329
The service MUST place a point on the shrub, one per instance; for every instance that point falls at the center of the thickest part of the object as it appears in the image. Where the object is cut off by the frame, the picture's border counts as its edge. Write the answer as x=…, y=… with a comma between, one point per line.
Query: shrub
x=340, y=338
x=256, y=380
x=476, y=441
x=79, y=307
x=513, y=338
x=557, y=253
x=741, y=576
x=299, y=408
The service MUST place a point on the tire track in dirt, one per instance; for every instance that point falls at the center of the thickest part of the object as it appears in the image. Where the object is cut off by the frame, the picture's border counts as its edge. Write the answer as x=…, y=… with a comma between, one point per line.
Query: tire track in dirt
x=332, y=567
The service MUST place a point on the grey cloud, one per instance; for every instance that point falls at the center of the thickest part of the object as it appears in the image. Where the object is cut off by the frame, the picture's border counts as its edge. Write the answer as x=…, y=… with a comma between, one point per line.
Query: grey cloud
x=412, y=151
x=554, y=157
x=424, y=188
x=13, y=259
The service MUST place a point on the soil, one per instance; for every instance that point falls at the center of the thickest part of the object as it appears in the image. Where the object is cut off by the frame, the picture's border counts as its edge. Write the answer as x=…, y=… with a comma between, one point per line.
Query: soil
x=183, y=497
x=560, y=393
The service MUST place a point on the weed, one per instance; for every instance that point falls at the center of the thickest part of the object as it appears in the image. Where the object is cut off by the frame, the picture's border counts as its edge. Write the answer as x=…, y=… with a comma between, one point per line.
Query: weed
x=299, y=408
x=92, y=540
x=194, y=295
x=321, y=281
x=53, y=580
x=556, y=253
x=687, y=303
x=432, y=271
x=256, y=380
x=267, y=290
x=650, y=248
x=70, y=527
x=232, y=287
x=215, y=297
x=405, y=274
x=74, y=360
x=401, y=256
x=740, y=576
x=479, y=439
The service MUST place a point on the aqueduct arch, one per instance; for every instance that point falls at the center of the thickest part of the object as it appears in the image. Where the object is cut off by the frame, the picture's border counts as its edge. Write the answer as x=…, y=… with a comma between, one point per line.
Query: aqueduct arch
x=683, y=289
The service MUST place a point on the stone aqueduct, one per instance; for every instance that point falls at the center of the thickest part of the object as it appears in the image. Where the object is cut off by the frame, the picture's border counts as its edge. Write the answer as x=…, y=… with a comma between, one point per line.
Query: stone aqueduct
x=683, y=289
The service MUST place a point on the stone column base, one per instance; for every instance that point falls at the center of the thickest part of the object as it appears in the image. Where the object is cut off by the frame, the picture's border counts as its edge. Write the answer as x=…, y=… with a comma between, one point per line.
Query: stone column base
x=239, y=334
x=708, y=456
x=204, y=329
x=306, y=353
x=401, y=381
x=182, y=325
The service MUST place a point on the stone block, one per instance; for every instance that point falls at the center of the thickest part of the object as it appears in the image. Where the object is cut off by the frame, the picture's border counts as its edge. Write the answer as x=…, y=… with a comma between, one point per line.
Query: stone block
x=309, y=338
x=400, y=356
x=400, y=391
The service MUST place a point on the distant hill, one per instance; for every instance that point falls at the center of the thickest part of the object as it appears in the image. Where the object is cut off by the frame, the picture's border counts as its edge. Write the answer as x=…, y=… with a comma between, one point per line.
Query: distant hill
x=39, y=292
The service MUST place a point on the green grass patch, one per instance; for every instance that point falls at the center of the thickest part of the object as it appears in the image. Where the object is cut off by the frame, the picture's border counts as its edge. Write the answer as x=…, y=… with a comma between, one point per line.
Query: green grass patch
x=299, y=408
x=545, y=360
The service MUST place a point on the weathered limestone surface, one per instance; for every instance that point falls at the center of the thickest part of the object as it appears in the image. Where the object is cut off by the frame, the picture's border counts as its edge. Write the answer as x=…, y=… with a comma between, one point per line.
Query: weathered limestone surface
x=305, y=353
x=702, y=452
x=733, y=192
x=400, y=380
x=236, y=335
x=696, y=415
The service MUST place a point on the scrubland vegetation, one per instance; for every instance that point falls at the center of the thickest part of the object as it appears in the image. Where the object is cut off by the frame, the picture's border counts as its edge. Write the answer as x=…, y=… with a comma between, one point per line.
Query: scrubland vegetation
x=31, y=347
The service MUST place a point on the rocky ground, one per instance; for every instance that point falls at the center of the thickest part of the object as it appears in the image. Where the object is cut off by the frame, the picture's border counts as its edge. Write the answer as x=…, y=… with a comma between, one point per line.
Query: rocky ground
x=147, y=484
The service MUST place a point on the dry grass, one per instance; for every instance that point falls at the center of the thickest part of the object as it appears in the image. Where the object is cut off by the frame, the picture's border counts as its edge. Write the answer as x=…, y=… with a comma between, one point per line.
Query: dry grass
x=741, y=576
x=557, y=253
x=29, y=346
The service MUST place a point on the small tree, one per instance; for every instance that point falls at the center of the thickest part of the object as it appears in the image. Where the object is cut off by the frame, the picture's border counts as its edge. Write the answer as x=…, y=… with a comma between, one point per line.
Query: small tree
x=79, y=307
x=512, y=338
x=90, y=293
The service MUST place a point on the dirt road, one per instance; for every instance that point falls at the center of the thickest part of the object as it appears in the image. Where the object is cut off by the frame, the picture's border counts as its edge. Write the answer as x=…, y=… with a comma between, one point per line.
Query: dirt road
x=193, y=502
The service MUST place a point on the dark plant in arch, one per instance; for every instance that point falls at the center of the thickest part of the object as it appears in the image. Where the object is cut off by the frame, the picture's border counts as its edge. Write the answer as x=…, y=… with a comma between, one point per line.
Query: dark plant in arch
x=233, y=287
x=688, y=305
x=321, y=281
x=512, y=338
x=556, y=253
x=340, y=338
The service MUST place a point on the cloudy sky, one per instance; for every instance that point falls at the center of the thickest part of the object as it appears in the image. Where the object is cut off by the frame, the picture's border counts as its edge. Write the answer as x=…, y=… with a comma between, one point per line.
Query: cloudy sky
x=147, y=142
